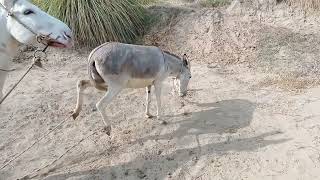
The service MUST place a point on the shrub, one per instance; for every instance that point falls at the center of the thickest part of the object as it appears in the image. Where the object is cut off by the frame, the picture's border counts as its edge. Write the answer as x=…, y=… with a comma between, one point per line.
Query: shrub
x=214, y=3
x=97, y=21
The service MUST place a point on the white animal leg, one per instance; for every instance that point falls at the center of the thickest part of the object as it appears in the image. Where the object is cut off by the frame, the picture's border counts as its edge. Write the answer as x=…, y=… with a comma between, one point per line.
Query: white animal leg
x=112, y=92
x=175, y=86
x=158, y=87
x=148, y=91
x=81, y=86
x=2, y=80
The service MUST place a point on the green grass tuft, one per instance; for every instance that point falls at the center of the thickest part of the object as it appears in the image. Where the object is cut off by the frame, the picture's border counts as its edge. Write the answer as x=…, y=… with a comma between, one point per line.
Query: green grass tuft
x=97, y=21
x=147, y=2
x=214, y=3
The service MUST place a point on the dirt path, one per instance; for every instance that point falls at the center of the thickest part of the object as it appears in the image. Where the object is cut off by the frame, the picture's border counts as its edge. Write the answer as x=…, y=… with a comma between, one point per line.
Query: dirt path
x=225, y=129
x=228, y=127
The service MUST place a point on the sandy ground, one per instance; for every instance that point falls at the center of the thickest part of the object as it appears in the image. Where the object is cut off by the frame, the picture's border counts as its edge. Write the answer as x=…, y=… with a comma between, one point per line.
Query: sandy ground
x=232, y=125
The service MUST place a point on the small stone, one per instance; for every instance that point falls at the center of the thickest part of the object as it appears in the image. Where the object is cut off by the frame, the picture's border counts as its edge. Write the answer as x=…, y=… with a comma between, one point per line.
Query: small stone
x=182, y=104
x=170, y=158
x=164, y=122
x=213, y=65
x=186, y=113
x=113, y=175
x=140, y=174
x=195, y=158
x=126, y=173
x=27, y=48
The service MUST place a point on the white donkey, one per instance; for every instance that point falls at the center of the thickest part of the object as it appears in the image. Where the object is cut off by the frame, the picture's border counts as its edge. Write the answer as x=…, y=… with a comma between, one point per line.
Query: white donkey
x=22, y=22
x=115, y=66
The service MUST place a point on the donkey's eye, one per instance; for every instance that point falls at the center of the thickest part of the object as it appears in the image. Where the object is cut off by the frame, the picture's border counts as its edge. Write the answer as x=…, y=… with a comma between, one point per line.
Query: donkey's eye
x=28, y=12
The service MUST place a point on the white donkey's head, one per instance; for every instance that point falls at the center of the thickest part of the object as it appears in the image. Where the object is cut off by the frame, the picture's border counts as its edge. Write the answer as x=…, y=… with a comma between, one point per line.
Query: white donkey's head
x=26, y=21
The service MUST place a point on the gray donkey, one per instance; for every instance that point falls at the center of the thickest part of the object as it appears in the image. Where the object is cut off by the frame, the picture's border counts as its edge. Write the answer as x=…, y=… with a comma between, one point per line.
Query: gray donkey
x=115, y=66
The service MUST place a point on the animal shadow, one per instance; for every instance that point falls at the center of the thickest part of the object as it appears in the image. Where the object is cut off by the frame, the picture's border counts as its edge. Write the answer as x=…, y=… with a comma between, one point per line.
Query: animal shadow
x=227, y=116
x=219, y=118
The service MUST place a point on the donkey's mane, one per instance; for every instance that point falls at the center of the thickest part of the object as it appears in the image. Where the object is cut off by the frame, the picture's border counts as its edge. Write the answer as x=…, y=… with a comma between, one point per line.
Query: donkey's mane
x=171, y=54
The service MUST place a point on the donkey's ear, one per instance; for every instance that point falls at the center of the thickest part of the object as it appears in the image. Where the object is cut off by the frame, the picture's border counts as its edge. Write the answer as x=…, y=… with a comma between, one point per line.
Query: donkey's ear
x=185, y=63
x=185, y=60
x=184, y=57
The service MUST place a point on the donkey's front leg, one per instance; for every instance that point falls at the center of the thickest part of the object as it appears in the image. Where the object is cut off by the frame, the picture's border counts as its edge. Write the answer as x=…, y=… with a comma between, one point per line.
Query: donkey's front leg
x=158, y=87
x=148, y=100
x=112, y=92
x=175, y=86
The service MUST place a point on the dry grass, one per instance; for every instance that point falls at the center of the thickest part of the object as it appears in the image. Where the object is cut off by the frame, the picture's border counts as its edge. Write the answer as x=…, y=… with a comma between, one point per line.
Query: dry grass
x=290, y=82
x=305, y=4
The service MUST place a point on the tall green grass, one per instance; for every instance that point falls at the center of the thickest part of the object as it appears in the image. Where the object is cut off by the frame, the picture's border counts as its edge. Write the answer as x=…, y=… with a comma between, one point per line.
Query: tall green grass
x=97, y=21
x=147, y=2
x=214, y=3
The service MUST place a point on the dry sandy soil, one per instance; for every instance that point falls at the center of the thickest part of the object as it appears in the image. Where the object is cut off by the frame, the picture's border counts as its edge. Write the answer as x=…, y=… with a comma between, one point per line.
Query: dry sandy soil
x=252, y=111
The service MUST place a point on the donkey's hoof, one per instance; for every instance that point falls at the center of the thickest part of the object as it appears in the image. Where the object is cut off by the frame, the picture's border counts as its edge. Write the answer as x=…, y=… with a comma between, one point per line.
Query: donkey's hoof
x=107, y=130
x=149, y=116
x=163, y=122
x=74, y=115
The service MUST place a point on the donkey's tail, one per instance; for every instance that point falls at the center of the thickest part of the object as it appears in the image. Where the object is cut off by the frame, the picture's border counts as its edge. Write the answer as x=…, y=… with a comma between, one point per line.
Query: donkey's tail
x=95, y=77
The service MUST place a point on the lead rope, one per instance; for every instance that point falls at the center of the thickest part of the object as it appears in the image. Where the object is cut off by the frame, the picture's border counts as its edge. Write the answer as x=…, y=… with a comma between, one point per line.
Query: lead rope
x=36, y=62
x=34, y=143
x=35, y=173
x=7, y=70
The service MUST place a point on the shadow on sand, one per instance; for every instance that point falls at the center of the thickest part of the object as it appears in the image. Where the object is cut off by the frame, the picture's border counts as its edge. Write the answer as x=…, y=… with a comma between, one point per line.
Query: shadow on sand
x=221, y=117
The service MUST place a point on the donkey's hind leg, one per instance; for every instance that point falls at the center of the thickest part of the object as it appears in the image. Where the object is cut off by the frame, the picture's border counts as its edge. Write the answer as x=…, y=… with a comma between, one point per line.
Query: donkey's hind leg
x=81, y=86
x=113, y=91
x=148, y=99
